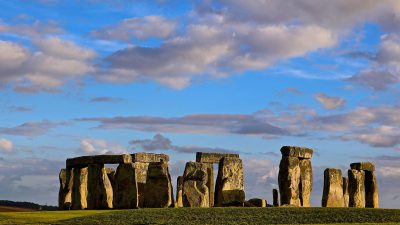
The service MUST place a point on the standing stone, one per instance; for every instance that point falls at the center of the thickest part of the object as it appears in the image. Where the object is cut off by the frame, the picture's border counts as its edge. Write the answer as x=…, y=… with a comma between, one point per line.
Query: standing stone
x=210, y=182
x=80, y=188
x=229, y=190
x=179, y=190
x=125, y=195
x=333, y=188
x=356, y=188
x=306, y=180
x=111, y=173
x=289, y=180
x=100, y=193
x=141, y=179
x=63, y=183
x=275, y=196
x=68, y=189
x=158, y=188
x=195, y=191
x=371, y=190
x=346, y=191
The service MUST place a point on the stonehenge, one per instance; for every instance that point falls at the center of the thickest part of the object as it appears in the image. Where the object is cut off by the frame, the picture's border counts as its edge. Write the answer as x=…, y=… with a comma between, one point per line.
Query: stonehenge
x=363, y=186
x=295, y=176
x=142, y=180
x=333, y=188
x=85, y=183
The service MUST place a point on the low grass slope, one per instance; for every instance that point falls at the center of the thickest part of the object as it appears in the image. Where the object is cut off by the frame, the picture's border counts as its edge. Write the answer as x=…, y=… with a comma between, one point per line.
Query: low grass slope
x=242, y=216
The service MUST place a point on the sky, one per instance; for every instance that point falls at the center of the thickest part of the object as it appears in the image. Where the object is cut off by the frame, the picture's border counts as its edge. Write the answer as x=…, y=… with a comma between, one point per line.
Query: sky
x=86, y=77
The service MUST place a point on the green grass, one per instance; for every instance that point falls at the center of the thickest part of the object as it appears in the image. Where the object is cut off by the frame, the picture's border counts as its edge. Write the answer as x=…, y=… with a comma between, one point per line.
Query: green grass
x=189, y=216
x=44, y=217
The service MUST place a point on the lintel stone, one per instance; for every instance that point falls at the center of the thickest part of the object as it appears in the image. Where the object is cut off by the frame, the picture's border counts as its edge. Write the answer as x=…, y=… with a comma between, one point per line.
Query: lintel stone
x=149, y=157
x=208, y=157
x=366, y=166
x=295, y=151
x=98, y=159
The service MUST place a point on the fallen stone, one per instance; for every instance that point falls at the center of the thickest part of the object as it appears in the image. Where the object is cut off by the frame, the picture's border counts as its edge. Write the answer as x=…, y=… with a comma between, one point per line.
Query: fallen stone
x=366, y=166
x=179, y=191
x=125, y=195
x=100, y=193
x=229, y=190
x=295, y=151
x=84, y=161
x=158, y=188
x=79, y=188
x=371, y=190
x=275, y=195
x=346, y=191
x=356, y=188
x=195, y=191
x=207, y=157
x=333, y=188
x=306, y=181
x=289, y=180
x=257, y=202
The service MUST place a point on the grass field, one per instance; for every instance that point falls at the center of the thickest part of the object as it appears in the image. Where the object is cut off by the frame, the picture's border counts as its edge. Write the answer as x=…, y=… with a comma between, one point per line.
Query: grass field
x=189, y=216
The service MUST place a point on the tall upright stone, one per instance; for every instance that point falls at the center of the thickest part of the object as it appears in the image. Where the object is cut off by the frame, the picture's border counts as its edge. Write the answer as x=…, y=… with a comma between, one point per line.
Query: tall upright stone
x=371, y=190
x=141, y=179
x=289, y=180
x=346, y=191
x=210, y=182
x=306, y=180
x=62, y=176
x=356, y=188
x=158, y=189
x=195, y=191
x=79, y=188
x=67, y=195
x=275, y=196
x=333, y=188
x=229, y=190
x=100, y=193
x=179, y=192
x=125, y=194
x=295, y=176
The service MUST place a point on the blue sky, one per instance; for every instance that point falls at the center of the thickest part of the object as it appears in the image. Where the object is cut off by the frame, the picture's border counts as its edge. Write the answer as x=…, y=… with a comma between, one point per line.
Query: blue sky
x=99, y=77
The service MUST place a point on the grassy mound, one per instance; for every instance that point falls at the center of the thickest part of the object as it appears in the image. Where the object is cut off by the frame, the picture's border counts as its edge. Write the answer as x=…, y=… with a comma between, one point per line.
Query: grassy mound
x=189, y=216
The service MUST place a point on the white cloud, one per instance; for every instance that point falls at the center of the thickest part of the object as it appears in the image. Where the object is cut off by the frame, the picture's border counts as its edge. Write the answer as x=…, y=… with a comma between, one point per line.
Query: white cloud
x=330, y=102
x=99, y=146
x=140, y=28
x=6, y=145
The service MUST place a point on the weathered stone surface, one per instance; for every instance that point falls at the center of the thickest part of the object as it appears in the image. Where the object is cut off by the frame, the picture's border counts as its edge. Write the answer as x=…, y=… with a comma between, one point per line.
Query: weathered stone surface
x=257, y=202
x=100, y=193
x=346, y=191
x=79, y=188
x=306, y=181
x=333, y=188
x=195, y=190
x=289, y=180
x=141, y=179
x=207, y=157
x=295, y=151
x=111, y=174
x=149, y=157
x=125, y=195
x=229, y=190
x=366, y=166
x=356, y=188
x=275, y=195
x=210, y=183
x=371, y=190
x=68, y=189
x=179, y=192
x=98, y=159
x=158, y=188
x=62, y=176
